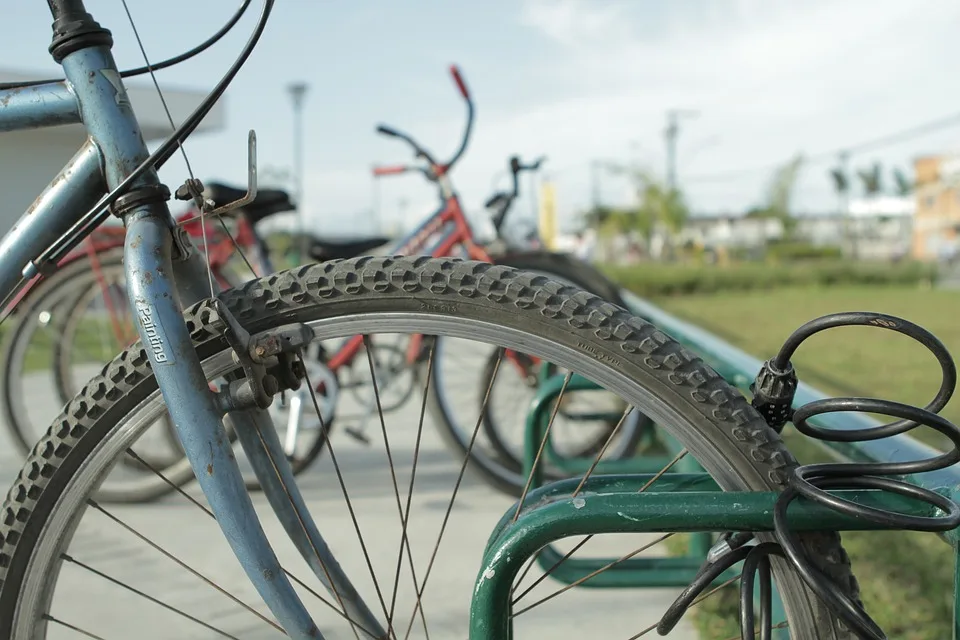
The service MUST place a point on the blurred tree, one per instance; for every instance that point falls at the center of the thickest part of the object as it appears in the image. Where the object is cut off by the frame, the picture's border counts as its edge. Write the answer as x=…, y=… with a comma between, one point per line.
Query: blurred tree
x=872, y=179
x=657, y=204
x=841, y=183
x=780, y=194
x=661, y=204
x=904, y=185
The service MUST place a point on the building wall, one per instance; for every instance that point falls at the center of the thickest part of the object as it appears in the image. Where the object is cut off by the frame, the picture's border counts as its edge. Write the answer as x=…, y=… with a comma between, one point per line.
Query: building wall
x=29, y=160
x=937, y=215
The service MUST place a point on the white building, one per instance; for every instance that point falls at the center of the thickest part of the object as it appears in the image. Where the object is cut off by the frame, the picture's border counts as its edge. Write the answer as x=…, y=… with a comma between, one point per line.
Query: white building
x=30, y=159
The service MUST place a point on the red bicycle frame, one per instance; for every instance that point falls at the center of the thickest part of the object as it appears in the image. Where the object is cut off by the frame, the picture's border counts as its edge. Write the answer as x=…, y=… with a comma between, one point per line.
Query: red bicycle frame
x=449, y=225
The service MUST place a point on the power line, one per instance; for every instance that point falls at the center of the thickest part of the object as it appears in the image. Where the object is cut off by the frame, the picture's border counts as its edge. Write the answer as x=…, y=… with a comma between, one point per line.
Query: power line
x=876, y=143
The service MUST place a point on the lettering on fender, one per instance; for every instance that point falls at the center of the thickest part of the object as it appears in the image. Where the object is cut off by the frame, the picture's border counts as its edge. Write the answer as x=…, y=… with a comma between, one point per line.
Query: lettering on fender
x=155, y=341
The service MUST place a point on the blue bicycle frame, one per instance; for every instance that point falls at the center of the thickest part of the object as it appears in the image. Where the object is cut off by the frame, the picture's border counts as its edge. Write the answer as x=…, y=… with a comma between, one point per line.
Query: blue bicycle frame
x=164, y=273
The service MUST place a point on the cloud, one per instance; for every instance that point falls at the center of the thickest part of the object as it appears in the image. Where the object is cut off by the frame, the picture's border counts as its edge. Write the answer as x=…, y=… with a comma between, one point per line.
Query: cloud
x=571, y=22
x=582, y=79
x=769, y=78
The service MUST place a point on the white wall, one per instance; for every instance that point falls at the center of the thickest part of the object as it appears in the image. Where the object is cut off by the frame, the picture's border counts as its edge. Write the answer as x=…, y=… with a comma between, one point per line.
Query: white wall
x=29, y=160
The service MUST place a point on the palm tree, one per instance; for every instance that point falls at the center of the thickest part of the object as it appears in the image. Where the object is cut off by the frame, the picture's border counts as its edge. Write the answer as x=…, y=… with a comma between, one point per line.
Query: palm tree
x=661, y=204
x=780, y=193
x=904, y=186
x=872, y=180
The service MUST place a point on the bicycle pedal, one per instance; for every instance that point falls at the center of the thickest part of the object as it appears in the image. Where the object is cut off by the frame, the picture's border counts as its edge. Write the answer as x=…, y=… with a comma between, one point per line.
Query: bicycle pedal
x=358, y=435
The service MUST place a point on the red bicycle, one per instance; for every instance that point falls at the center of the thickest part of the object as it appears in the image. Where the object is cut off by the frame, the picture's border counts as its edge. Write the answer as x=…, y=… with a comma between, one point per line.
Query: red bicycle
x=447, y=232
x=84, y=304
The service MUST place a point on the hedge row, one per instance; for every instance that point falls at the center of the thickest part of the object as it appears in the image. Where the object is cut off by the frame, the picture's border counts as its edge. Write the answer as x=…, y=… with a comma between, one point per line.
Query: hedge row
x=803, y=251
x=653, y=279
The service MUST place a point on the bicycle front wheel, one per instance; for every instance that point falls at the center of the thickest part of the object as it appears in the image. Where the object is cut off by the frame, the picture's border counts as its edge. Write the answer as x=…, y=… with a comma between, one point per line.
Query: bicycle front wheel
x=562, y=325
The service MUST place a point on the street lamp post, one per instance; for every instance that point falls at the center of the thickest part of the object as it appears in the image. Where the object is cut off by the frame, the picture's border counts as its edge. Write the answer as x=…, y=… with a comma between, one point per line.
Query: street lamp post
x=298, y=92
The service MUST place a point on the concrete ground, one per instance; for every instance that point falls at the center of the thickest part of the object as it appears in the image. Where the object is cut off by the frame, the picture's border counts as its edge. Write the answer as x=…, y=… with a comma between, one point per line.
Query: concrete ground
x=95, y=604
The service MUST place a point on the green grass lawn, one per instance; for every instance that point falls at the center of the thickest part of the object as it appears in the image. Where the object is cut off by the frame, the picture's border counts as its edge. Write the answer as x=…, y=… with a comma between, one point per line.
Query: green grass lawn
x=906, y=578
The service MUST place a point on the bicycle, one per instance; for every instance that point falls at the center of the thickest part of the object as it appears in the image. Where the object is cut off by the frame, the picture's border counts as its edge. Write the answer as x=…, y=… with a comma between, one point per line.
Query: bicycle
x=445, y=232
x=251, y=339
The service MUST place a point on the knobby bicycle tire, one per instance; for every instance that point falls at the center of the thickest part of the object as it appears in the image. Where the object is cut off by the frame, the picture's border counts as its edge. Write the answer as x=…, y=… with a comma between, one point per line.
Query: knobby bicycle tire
x=70, y=318
x=730, y=439
x=503, y=470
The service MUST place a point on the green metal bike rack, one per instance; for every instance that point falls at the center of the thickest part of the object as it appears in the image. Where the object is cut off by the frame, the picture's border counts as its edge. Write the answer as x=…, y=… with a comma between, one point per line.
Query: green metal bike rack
x=610, y=501
x=613, y=504
x=634, y=572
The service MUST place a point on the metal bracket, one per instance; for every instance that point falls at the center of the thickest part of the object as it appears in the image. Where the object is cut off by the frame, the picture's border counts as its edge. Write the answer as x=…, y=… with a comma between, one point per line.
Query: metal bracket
x=192, y=188
x=269, y=360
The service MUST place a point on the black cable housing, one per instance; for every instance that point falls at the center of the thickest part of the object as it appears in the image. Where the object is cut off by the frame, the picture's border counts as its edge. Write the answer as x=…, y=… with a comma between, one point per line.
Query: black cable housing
x=165, y=64
x=100, y=212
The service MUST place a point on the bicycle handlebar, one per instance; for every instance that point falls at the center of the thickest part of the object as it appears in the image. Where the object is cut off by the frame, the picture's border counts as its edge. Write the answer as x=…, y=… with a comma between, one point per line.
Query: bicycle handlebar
x=455, y=72
x=437, y=169
x=391, y=171
x=507, y=199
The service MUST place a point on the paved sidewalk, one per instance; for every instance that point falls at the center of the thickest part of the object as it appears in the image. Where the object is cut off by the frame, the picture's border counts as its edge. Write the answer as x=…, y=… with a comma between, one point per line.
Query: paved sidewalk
x=112, y=613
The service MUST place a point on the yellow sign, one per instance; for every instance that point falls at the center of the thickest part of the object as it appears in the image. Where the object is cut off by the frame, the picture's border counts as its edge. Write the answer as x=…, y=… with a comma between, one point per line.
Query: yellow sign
x=548, y=215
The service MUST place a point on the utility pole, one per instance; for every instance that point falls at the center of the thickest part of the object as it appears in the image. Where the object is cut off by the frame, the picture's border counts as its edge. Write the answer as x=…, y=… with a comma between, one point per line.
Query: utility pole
x=671, y=133
x=298, y=91
x=849, y=229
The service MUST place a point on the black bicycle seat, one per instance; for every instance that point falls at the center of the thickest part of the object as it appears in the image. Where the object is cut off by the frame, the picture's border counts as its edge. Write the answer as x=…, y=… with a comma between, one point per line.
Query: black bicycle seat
x=266, y=203
x=322, y=249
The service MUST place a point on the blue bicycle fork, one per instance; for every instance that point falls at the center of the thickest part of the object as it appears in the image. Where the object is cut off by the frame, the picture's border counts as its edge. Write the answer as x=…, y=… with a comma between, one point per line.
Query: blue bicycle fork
x=164, y=273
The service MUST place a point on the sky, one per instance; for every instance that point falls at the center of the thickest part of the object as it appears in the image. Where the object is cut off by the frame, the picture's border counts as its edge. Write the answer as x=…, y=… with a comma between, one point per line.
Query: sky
x=574, y=80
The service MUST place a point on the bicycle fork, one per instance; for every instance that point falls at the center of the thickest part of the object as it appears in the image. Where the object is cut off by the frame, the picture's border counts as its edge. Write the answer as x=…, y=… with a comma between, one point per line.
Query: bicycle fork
x=157, y=285
x=196, y=414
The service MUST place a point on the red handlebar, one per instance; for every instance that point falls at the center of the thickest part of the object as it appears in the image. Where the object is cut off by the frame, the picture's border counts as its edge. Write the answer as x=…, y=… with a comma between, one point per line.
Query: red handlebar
x=389, y=171
x=455, y=72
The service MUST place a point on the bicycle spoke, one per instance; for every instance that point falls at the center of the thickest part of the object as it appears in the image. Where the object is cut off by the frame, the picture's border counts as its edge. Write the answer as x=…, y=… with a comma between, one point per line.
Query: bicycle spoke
x=592, y=574
x=237, y=247
x=156, y=601
x=603, y=450
x=543, y=444
x=179, y=490
x=343, y=485
x=647, y=485
x=405, y=513
x=67, y=625
x=180, y=562
x=692, y=604
x=456, y=489
x=303, y=527
x=301, y=523
x=543, y=577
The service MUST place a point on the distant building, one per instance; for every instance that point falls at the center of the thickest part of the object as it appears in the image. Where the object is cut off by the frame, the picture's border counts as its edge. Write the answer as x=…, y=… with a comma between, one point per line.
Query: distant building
x=937, y=217
x=881, y=227
x=730, y=231
x=32, y=158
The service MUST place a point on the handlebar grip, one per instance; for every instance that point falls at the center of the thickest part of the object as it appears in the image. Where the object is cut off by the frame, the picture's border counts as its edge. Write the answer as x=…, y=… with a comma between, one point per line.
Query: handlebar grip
x=387, y=131
x=455, y=72
x=389, y=171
